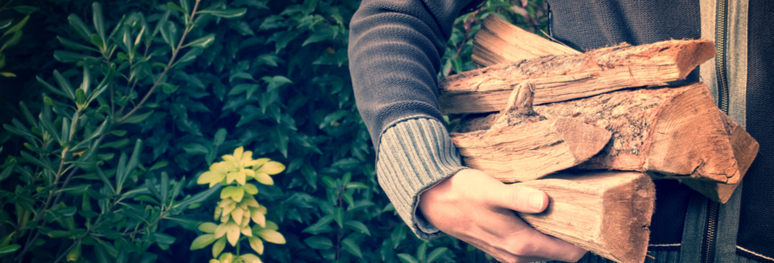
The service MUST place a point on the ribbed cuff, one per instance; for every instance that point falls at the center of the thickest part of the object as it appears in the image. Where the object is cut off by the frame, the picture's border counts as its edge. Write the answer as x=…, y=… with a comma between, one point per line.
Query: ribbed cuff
x=414, y=155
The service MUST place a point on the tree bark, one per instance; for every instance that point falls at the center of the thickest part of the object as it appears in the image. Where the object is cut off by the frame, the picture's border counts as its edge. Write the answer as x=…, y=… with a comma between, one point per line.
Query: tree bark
x=668, y=132
x=607, y=213
x=571, y=76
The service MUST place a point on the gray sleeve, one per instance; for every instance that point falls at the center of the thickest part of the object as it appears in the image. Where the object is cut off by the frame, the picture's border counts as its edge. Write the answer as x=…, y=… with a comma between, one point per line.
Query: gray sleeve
x=415, y=154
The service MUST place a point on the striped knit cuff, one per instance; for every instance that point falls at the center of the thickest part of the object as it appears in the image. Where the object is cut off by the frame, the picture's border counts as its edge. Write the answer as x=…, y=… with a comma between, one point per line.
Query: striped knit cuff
x=414, y=155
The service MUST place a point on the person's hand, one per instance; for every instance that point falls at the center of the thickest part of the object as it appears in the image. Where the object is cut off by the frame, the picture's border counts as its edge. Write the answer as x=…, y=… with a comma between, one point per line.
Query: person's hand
x=475, y=208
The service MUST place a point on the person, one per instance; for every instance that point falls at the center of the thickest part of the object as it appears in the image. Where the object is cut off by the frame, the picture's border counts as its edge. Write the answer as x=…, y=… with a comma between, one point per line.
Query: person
x=395, y=50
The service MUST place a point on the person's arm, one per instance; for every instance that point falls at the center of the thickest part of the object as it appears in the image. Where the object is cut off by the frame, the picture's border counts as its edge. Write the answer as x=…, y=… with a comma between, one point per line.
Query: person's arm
x=395, y=50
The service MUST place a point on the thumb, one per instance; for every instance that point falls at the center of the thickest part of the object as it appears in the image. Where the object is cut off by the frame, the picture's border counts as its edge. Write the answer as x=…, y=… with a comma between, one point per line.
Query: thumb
x=520, y=199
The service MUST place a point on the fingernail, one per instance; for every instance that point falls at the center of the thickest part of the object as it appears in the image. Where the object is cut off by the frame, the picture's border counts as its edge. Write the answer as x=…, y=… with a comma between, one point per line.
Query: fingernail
x=536, y=201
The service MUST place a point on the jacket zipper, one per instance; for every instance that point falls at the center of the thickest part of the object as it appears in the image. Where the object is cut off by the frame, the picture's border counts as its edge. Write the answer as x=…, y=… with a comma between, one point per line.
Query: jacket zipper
x=710, y=235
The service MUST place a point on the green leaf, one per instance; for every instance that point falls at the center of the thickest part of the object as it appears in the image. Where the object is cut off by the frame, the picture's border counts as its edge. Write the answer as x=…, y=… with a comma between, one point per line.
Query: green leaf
x=398, y=235
x=357, y=226
x=17, y=27
x=164, y=187
x=99, y=23
x=25, y=9
x=318, y=36
x=269, y=59
x=406, y=258
x=70, y=57
x=218, y=247
x=121, y=172
x=208, y=227
x=105, y=180
x=351, y=247
x=190, y=55
x=436, y=254
x=7, y=249
x=152, y=188
x=195, y=148
x=13, y=40
x=186, y=6
x=135, y=118
x=202, y=42
x=164, y=238
x=49, y=127
x=74, y=45
x=281, y=141
x=227, y=13
x=6, y=23
x=176, y=7
x=321, y=226
x=338, y=215
x=7, y=74
x=159, y=165
x=256, y=244
x=64, y=85
x=276, y=82
x=161, y=23
x=168, y=88
x=75, y=190
x=319, y=242
x=271, y=236
x=80, y=28
x=198, y=198
x=220, y=136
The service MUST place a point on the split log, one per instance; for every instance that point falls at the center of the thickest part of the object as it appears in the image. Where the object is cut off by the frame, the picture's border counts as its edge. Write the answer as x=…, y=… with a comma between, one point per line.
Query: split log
x=571, y=76
x=745, y=149
x=607, y=213
x=501, y=42
x=666, y=131
x=523, y=146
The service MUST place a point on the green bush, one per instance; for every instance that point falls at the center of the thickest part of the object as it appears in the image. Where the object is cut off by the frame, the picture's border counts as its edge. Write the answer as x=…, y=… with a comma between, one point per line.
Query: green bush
x=192, y=80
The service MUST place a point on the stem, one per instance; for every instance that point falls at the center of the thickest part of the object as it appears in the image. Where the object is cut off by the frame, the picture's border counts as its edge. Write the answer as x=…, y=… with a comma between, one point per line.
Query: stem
x=167, y=68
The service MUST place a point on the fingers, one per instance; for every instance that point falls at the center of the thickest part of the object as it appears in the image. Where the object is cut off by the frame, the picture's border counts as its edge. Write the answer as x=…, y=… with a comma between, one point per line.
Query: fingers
x=551, y=248
x=520, y=199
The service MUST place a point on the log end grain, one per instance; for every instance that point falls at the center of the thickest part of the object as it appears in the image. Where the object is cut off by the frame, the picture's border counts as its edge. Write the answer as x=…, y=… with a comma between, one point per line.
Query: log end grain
x=690, y=128
x=607, y=213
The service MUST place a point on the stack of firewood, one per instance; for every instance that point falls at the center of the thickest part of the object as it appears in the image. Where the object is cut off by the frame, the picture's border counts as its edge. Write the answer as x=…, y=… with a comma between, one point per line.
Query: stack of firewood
x=540, y=107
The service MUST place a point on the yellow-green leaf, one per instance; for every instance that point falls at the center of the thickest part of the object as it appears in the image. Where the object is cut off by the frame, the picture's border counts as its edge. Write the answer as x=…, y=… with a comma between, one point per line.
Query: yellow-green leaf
x=208, y=227
x=271, y=236
x=237, y=215
x=258, y=217
x=211, y=178
x=250, y=189
x=218, y=247
x=246, y=230
x=8, y=74
x=264, y=179
x=232, y=233
x=256, y=244
x=202, y=241
x=250, y=201
x=250, y=258
x=271, y=168
x=221, y=230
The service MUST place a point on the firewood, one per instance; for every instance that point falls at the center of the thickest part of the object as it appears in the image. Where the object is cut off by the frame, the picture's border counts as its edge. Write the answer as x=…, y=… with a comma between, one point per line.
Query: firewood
x=607, y=213
x=501, y=42
x=665, y=132
x=571, y=76
x=523, y=146
x=745, y=149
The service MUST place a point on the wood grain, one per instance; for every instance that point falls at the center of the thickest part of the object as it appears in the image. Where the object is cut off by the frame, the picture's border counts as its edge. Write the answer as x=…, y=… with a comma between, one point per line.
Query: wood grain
x=607, y=213
x=571, y=76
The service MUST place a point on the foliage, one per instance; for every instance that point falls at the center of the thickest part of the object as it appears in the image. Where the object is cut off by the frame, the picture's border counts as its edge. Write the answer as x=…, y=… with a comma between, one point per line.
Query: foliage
x=238, y=207
x=13, y=32
x=192, y=83
x=68, y=165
